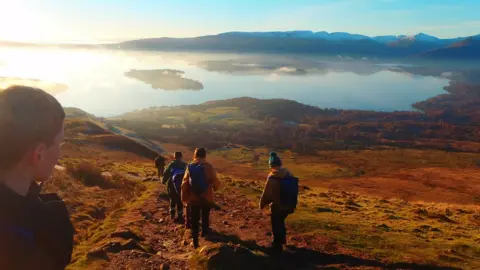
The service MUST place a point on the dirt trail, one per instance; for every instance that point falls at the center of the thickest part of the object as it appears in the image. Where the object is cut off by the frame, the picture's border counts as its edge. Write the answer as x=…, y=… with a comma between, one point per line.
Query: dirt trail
x=239, y=223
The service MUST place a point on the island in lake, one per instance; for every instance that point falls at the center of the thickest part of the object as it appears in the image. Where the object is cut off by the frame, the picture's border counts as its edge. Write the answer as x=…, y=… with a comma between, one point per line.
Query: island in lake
x=166, y=79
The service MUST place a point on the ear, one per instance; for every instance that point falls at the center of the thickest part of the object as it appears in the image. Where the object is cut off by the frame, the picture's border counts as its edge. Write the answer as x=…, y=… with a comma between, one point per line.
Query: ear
x=38, y=153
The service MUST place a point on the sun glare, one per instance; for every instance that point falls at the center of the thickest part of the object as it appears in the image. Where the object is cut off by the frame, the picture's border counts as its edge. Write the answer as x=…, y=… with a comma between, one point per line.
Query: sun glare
x=18, y=22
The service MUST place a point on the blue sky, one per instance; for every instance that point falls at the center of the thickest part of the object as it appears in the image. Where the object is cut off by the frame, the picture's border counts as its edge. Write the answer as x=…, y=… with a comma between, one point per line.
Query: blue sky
x=63, y=20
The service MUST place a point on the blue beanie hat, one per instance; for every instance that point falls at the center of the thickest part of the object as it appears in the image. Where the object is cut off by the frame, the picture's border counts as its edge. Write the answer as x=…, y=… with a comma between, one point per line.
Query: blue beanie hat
x=274, y=160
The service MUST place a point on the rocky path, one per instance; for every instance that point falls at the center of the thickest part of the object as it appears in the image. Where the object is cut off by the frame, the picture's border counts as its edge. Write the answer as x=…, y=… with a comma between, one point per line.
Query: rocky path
x=239, y=223
x=147, y=238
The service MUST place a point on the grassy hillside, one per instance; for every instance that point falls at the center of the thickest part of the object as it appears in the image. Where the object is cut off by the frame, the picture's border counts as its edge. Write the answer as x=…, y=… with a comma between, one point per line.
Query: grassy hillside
x=384, y=208
x=448, y=122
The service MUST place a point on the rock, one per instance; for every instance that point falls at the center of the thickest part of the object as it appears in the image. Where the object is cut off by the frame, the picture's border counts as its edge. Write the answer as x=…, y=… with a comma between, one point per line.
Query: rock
x=126, y=234
x=323, y=194
x=161, y=220
x=97, y=253
x=116, y=247
x=229, y=256
x=352, y=208
x=448, y=212
x=425, y=227
x=304, y=188
x=384, y=227
x=360, y=172
x=352, y=203
x=164, y=266
x=146, y=215
x=421, y=211
x=149, y=179
x=324, y=210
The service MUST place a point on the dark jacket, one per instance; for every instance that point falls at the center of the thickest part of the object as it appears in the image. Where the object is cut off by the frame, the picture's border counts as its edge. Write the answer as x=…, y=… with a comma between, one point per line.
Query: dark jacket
x=160, y=162
x=271, y=193
x=167, y=174
x=35, y=231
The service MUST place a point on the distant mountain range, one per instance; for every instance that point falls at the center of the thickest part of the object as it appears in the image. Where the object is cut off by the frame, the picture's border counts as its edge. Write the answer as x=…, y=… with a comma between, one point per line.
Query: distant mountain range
x=345, y=36
x=322, y=43
x=420, y=46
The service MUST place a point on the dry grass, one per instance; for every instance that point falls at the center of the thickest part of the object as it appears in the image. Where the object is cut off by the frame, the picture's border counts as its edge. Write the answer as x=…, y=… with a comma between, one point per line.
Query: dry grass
x=89, y=175
x=407, y=205
x=393, y=230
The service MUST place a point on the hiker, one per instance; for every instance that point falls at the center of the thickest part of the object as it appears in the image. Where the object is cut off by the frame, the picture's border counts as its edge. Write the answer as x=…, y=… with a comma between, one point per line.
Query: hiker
x=160, y=165
x=173, y=178
x=35, y=229
x=280, y=193
x=197, y=192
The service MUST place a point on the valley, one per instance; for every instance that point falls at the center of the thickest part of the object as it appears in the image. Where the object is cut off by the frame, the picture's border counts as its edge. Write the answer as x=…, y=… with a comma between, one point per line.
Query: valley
x=371, y=206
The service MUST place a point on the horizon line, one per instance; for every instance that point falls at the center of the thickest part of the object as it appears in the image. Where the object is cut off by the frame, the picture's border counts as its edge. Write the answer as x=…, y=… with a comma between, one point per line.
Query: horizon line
x=93, y=41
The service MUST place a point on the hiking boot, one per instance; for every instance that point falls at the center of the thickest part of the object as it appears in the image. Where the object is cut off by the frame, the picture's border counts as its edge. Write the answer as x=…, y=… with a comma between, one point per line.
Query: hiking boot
x=195, y=243
x=205, y=233
x=172, y=216
x=276, y=249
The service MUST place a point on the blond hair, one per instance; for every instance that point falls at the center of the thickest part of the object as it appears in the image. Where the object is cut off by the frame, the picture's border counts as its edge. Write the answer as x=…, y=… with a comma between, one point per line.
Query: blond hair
x=28, y=117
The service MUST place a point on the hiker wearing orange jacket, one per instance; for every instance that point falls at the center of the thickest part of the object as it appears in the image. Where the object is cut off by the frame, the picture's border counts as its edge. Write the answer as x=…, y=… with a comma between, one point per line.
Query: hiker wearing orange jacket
x=199, y=204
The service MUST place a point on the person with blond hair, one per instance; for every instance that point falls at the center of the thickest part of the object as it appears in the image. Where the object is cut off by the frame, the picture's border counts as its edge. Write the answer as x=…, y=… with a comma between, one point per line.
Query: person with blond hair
x=35, y=229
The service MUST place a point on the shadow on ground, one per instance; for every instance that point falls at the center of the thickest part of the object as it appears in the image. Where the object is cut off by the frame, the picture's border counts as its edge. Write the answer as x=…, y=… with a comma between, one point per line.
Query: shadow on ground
x=231, y=252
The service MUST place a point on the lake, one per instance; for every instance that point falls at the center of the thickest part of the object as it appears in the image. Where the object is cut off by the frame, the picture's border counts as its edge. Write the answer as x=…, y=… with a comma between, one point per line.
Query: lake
x=108, y=83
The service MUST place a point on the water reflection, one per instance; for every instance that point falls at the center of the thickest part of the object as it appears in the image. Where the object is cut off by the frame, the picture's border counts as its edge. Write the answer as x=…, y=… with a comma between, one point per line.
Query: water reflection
x=285, y=67
x=107, y=83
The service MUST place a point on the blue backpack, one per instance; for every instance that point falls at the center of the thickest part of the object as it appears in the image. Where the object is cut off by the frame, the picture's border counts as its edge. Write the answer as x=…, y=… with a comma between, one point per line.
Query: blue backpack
x=177, y=179
x=198, y=180
x=289, y=191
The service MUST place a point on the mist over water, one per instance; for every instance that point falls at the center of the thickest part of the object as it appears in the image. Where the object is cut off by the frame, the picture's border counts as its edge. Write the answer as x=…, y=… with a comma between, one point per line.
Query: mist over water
x=107, y=83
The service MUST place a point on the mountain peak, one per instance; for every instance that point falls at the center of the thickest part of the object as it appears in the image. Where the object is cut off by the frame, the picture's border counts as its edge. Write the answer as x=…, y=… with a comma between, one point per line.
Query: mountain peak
x=425, y=37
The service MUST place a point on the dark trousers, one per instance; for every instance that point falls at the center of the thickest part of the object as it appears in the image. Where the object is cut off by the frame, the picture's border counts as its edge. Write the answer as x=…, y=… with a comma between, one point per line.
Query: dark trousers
x=278, y=227
x=160, y=171
x=196, y=212
x=176, y=205
x=188, y=217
